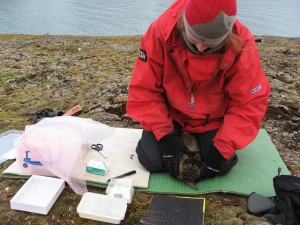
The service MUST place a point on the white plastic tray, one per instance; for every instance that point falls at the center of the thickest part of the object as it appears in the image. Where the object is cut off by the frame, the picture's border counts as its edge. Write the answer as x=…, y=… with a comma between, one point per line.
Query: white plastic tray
x=102, y=208
x=38, y=194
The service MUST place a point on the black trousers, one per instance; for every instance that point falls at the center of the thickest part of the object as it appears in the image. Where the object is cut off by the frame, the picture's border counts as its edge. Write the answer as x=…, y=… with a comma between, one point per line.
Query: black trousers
x=149, y=155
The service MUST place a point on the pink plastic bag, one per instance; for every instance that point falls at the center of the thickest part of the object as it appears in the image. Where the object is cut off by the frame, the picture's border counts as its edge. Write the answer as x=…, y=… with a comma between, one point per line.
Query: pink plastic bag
x=57, y=145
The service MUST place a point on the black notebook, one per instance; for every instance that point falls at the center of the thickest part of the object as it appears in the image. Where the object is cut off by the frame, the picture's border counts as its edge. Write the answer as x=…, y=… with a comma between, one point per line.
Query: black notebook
x=175, y=210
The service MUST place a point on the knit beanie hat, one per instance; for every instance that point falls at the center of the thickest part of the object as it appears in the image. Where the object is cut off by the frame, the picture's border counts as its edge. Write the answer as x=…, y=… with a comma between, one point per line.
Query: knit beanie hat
x=209, y=21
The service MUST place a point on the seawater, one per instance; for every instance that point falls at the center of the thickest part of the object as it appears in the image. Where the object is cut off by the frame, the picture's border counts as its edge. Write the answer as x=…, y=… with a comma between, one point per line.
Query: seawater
x=124, y=17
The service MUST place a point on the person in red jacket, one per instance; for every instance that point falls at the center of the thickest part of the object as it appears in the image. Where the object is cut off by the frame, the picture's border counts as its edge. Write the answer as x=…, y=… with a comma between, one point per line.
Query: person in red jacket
x=198, y=71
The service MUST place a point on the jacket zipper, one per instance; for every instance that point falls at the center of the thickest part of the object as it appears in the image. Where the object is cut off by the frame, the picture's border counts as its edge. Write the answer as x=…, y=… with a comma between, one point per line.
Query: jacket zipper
x=192, y=103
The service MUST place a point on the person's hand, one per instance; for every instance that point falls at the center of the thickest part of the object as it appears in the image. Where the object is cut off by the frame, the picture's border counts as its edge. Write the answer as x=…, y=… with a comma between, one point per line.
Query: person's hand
x=213, y=163
x=170, y=147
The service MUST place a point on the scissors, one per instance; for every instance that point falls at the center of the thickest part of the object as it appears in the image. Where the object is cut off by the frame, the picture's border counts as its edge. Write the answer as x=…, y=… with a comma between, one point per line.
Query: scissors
x=99, y=148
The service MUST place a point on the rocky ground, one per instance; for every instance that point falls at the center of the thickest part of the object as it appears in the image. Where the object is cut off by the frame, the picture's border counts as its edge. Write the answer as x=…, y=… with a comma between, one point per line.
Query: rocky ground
x=38, y=72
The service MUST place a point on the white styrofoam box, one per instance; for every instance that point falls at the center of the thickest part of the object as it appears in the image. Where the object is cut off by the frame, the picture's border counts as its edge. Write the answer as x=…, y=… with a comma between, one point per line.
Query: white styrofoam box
x=38, y=194
x=121, y=188
x=102, y=208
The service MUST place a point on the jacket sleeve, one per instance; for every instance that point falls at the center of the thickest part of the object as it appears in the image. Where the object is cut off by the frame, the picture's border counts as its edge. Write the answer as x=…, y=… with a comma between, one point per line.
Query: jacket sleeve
x=146, y=102
x=248, y=90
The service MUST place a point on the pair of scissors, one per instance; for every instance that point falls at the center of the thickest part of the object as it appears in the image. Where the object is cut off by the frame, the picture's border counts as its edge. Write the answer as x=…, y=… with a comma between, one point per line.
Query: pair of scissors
x=99, y=148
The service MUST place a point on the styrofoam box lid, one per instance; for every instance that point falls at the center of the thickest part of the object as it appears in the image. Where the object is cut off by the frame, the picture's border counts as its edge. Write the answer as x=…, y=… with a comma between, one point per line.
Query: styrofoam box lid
x=102, y=208
x=38, y=194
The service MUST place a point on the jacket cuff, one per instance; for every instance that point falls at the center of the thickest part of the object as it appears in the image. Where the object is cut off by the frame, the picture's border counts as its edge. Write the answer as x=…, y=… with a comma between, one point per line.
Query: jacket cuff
x=161, y=132
x=226, y=150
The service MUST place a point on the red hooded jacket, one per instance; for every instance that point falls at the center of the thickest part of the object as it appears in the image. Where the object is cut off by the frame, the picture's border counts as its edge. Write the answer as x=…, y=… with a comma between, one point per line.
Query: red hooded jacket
x=227, y=91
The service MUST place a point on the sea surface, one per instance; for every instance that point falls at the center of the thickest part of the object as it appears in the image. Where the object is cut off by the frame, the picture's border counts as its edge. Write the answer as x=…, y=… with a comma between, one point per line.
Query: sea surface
x=132, y=17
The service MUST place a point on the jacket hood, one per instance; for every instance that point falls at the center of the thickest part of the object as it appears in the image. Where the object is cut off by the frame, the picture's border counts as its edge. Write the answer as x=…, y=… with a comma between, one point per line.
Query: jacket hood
x=168, y=20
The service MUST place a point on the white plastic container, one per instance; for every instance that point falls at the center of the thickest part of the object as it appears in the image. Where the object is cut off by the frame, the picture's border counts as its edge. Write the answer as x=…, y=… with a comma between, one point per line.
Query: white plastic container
x=7, y=140
x=38, y=194
x=102, y=208
x=121, y=188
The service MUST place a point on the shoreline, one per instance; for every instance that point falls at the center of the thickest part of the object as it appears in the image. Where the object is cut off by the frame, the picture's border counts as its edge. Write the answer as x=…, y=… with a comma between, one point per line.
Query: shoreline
x=119, y=36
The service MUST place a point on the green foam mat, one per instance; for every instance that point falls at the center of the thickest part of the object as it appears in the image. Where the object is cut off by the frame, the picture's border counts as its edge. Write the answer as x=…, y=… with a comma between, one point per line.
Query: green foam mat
x=258, y=164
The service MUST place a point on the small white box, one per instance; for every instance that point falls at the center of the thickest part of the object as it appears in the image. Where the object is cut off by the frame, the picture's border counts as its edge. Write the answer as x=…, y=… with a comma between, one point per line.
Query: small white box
x=102, y=208
x=97, y=167
x=121, y=188
x=38, y=194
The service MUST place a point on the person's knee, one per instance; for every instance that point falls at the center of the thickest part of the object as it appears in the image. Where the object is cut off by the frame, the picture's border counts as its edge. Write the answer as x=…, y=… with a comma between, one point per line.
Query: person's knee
x=149, y=160
x=229, y=164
